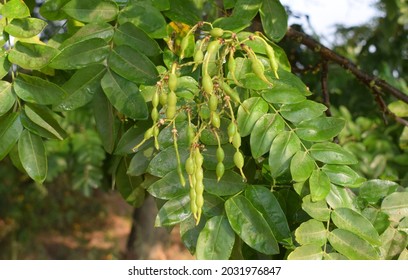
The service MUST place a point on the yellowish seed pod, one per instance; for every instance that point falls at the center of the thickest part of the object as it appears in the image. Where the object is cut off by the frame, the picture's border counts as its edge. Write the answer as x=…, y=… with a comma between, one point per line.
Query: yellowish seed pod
x=207, y=83
x=172, y=82
x=215, y=119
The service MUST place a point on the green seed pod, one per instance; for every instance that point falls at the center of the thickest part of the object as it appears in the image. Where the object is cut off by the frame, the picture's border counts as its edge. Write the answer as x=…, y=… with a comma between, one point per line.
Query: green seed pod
x=216, y=32
x=199, y=175
x=220, y=169
x=154, y=114
x=198, y=56
x=233, y=94
x=213, y=102
x=156, y=131
x=220, y=154
x=215, y=120
x=204, y=112
x=238, y=159
x=193, y=205
x=148, y=134
x=163, y=98
x=198, y=158
x=190, y=134
x=270, y=52
x=172, y=81
x=171, y=112
x=213, y=46
x=171, y=99
x=189, y=165
x=232, y=65
x=184, y=46
x=181, y=176
x=155, y=99
x=236, y=140
x=207, y=83
x=199, y=198
x=231, y=130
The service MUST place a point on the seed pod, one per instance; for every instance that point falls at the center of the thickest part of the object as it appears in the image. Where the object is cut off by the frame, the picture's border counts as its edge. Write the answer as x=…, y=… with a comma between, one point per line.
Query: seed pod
x=258, y=69
x=236, y=140
x=199, y=198
x=215, y=119
x=238, y=159
x=198, y=158
x=154, y=114
x=172, y=81
x=213, y=103
x=270, y=52
x=231, y=130
x=171, y=112
x=204, y=112
x=189, y=165
x=216, y=32
x=148, y=134
x=193, y=205
x=198, y=56
x=233, y=94
x=155, y=99
x=220, y=154
x=156, y=131
x=213, y=47
x=207, y=83
x=163, y=98
x=184, y=46
x=181, y=176
x=171, y=99
x=220, y=169
x=190, y=134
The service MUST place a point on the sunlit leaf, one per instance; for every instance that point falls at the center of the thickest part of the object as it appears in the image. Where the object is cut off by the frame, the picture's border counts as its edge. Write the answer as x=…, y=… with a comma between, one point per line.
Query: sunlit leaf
x=311, y=232
x=320, y=129
x=302, y=111
x=317, y=210
x=341, y=197
x=283, y=147
x=332, y=153
x=25, y=27
x=274, y=19
x=307, y=252
x=319, y=184
x=301, y=166
x=31, y=56
x=255, y=108
x=92, y=10
x=10, y=130
x=393, y=242
x=15, y=9
x=396, y=205
x=374, y=190
x=92, y=30
x=7, y=98
x=343, y=175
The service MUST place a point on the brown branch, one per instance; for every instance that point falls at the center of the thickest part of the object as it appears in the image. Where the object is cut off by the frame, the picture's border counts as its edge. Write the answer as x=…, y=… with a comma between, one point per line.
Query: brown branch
x=377, y=85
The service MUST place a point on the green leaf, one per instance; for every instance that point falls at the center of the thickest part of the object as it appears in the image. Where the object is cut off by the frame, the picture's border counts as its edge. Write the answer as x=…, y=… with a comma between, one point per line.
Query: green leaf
x=255, y=108
x=134, y=37
x=124, y=95
x=393, y=242
x=334, y=257
x=301, y=166
x=15, y=9
x=169, y=187
x=7, y=98
x=52, y=9
x=377, y=218
x=265, y=130
x=129, y=187
x=184, y=11
x=283, y=94
x=81, y=54
x=173, y=211
x=166, y=161
x=340, y=197
x=311, y=232
x=403, y=225
x=132, y=137
x=396, y=206
x=317, y=210
x=399, y=108
x=352, y=246
x=81, y=87
x=303, y=111
x=250, y=225
x=36, y=90
x=31, y=56
x=307, y=252
x=165, y=137
x=356, y=223
x=332, y=153
x=230, y=183
x=33, y=156
x=4, y=64
x=132, y=65
x=374, y=190
x=210, y=157
x=93, y=30
x=320, y=129
x=92, y=10
x=213, y=206
x=216, y=240
x=283, y=147
x=43, y=117
x=266, y=203
x=10, y=130
x=403, y=255
x=107, y=124
x=319, y=184
x=25, y=28
x=342, y=175
x=35, y=128
x=146, y=17
x=189, y=232
x=140, y=161
x=274, y=19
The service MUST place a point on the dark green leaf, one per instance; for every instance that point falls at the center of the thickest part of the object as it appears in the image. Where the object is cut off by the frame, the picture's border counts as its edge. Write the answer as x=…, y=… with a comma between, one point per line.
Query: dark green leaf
x=25, y=27
x=140, y=161
x=343, y=175
x=352, y=246
x=332, y=153
x=99, y=30
x=132, y=65
x=301, y=166
x=303, y=111
x=36, y=90
x=265, y=130
x=7, y=98
x=33, y=156
x=317, y=210
x=130, y=187
x=92, y=10
x=165, y=137
x=131, y=138
x=250, y=225
x=356, y=223
x=230, y=183
x=319, y=184
x=10, y=130
x=274, y=19
x=15, y=9
x=35, y=128
x=320, y=129
x=216, y=240
x=266, y=203
x=134, y=37
x=166, y=161
x=213, y=205
x=31, y=56
x=283, y=94
x=307, y=252
x=311, y=232
x=173, y=211
x=52, y=9
x=283, y=147
x=44, y=117
x=189, y=232
x=169, y=187
x=184, y=11
x=393, y=242
x=255, y=108
x=396, y=206
x=81, y=54
x=374, y=190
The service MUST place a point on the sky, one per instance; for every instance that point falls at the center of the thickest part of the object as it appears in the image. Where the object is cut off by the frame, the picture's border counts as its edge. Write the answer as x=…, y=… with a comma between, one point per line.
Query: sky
x=325, y=14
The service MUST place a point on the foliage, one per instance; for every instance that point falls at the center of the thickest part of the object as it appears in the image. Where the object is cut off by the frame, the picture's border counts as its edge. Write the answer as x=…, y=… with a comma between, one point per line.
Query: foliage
x=205, y=116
